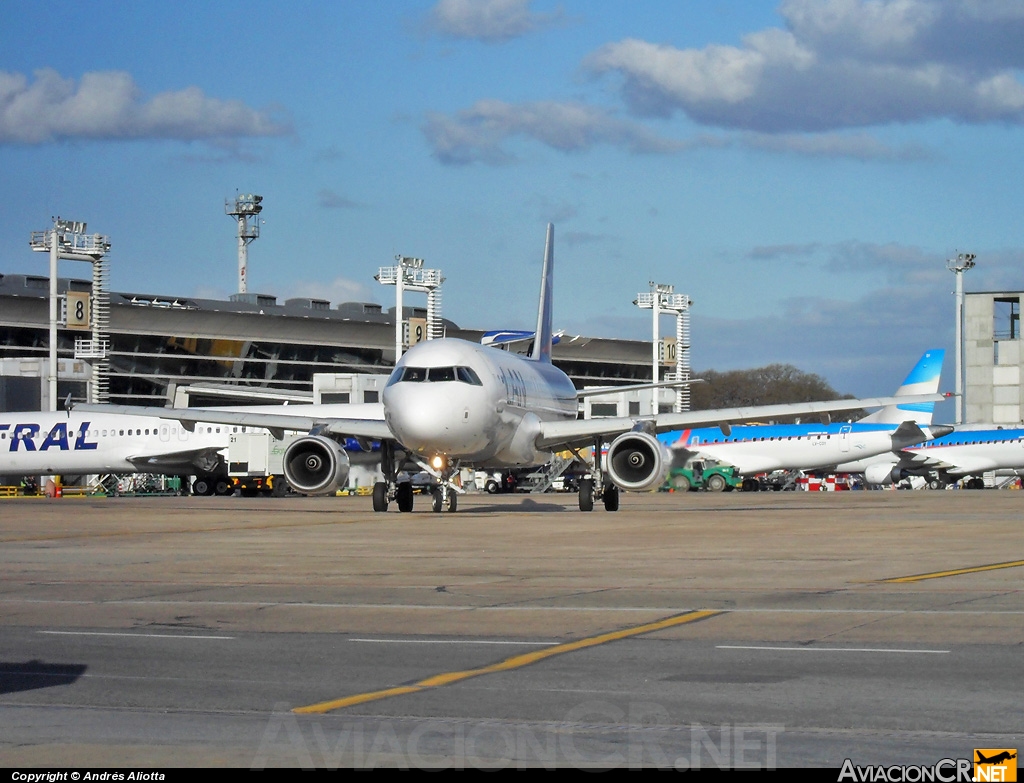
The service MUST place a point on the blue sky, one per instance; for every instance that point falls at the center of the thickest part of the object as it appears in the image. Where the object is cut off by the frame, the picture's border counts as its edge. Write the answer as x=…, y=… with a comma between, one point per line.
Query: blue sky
x=801, y=169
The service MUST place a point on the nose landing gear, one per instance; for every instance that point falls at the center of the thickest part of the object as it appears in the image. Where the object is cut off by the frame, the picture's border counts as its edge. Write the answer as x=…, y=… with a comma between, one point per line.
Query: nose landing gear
x=444, y=494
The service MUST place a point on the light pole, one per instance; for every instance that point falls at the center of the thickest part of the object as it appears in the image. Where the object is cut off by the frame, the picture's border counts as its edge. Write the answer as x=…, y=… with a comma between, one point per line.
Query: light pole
x=66, y=240
x=958, y=266
x=409, y=275
x=246, y=210
x=663, y=299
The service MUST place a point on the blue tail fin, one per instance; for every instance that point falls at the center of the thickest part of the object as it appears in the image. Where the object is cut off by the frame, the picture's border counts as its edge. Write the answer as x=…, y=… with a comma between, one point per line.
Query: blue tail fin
x=542, y=344
x=923, y=379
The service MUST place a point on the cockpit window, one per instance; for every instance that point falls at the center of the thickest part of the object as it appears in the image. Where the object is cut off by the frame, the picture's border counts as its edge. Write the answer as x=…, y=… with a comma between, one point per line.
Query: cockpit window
x=468, y=375
x=415, y=374
x=435, y=375
x=441, y=374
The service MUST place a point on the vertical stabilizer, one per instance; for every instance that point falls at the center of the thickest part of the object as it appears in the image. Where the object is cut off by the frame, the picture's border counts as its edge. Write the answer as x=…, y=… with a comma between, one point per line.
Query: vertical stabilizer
x=542, y=342
x=923, y=379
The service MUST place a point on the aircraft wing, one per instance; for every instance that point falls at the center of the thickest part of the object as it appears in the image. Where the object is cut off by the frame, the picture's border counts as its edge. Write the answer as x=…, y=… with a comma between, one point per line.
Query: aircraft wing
x=605, y=390
x=583, y=431
x=204, y=459
x=964, y=467
x=277, y=423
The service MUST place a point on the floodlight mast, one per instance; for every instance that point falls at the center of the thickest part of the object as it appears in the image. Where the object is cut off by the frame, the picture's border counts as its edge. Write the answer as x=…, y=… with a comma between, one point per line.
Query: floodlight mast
x=409, y=275
x=68, y=240
x=663, y=299
x=245, y=210
x=958, y=266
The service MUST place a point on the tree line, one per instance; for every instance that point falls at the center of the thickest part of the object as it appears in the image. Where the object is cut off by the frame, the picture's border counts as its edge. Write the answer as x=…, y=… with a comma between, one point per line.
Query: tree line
x=775, y=384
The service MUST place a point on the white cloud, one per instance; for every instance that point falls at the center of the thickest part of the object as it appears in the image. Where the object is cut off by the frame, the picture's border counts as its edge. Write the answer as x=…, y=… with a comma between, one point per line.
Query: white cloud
x=840, y=64
x=480, y=132
x=109, y=105
x=488, y=20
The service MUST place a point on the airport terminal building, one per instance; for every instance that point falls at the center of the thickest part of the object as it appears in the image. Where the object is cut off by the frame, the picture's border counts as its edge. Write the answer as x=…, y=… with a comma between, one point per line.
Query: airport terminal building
x=158, y=342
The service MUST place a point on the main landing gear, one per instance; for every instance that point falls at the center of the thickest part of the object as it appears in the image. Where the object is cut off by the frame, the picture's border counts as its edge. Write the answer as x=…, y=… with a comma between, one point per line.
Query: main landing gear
x=595, y=487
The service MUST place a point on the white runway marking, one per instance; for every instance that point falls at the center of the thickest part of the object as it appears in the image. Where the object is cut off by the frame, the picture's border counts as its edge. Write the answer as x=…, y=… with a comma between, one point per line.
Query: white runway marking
x=829, y=649
x=141, y=635
x=451, y=641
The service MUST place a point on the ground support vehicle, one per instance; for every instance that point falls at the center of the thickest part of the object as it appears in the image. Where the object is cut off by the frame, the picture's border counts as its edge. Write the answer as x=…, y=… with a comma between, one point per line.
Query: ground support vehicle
x=256, y=463
x=706, y=475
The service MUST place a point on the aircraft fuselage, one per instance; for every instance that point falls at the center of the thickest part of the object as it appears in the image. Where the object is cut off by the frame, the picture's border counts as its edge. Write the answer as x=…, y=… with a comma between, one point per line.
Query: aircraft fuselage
x=36, y=443
x=474, y=403
x=764, y=448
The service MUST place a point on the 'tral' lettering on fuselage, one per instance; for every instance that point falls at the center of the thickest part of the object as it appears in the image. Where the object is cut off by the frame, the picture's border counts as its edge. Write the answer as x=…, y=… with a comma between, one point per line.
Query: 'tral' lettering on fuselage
x=23, y=436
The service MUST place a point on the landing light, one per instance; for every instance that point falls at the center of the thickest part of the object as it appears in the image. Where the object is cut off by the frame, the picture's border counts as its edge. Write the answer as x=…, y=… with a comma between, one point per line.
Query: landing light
x=437, y=462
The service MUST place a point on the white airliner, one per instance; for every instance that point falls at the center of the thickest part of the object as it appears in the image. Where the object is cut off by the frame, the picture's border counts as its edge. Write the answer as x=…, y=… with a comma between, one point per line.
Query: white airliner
x=963, y=454
x=451, y=403
x=764, y=448
x=72, y=443
x=77, y=443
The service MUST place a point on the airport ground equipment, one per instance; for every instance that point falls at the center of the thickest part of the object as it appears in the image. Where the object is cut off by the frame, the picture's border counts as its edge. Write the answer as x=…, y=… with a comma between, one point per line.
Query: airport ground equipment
x=701, y=474
x=256, y=463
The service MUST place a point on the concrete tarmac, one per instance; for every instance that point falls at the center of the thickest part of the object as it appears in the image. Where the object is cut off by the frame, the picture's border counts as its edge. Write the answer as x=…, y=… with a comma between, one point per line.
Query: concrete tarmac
x=696, y=630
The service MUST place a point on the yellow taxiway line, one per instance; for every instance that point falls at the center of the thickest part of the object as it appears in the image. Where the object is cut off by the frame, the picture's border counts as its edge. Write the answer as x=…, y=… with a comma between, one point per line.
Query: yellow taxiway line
x=515, y=662
x=954, y=572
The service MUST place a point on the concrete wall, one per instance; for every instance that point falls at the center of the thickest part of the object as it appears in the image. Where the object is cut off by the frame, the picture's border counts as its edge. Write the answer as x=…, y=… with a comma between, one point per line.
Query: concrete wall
x=993, y=392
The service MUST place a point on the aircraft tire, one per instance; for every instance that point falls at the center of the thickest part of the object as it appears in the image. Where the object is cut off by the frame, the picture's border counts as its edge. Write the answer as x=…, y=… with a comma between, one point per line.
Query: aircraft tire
x=587, y=495
x=936, y=484
x=404, y=497
x=380, y=496
x=611, y=498
x=436, y=502
x=453, y=502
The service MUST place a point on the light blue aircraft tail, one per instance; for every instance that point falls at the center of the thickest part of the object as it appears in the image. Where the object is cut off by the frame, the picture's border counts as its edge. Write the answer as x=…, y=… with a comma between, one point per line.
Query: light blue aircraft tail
x=542, y=345
x=923, y=379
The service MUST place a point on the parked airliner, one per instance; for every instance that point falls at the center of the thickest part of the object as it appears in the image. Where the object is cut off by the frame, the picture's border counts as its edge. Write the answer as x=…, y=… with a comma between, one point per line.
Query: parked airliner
x=76, y=443
x=73, y=443
x=963, y=454
x=450, y=403
x=764, y=448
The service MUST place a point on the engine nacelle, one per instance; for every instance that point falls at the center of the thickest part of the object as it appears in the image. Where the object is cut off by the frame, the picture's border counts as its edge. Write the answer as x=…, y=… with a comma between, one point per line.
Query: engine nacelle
x=315, y=465
x=638, y=461
x=884, y=473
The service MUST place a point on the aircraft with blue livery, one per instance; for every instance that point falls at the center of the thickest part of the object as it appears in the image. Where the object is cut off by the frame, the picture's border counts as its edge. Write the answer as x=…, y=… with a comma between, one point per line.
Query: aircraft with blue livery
x=763, y=448
x=966, y=453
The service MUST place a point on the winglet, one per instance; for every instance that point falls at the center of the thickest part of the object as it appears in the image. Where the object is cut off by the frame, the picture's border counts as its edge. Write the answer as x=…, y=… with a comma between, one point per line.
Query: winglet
x=542, y=343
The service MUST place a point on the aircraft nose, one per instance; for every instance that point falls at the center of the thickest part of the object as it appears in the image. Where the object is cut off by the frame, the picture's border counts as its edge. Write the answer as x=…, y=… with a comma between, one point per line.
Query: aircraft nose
x=418, y=424
x=426, y=419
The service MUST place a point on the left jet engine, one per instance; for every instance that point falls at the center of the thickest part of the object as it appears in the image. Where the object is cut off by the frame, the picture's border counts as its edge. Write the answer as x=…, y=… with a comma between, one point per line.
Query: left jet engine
x=315, y=465
x=638, y=461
